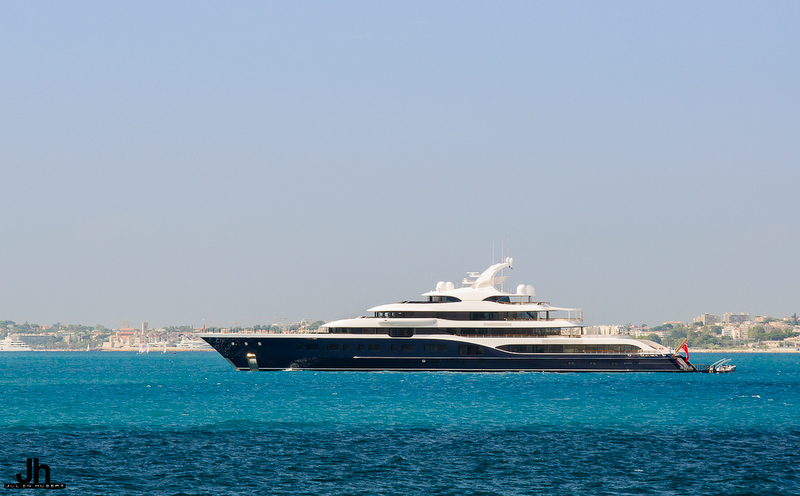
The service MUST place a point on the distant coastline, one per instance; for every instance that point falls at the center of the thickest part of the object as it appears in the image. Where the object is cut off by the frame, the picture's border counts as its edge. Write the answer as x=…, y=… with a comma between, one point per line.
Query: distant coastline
x=741, y=350
x=129, y=350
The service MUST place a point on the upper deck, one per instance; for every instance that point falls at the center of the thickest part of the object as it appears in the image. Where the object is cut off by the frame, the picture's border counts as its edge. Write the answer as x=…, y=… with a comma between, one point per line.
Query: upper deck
x=478, y=301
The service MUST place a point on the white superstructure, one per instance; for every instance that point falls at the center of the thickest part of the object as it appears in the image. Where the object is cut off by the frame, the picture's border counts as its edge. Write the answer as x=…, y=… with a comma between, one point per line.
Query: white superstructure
x=13, y=343
x=479, y=313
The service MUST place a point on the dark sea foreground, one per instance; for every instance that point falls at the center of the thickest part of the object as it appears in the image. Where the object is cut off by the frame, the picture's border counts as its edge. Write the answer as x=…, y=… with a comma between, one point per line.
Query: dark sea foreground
x=187, y=423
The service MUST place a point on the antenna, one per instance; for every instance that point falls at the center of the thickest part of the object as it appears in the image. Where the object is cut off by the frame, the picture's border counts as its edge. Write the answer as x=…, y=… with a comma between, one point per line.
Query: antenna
x=507, y=258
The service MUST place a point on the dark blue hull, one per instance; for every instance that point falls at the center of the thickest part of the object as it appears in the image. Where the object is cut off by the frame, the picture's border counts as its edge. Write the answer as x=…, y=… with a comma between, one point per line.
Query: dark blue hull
x=400, y=354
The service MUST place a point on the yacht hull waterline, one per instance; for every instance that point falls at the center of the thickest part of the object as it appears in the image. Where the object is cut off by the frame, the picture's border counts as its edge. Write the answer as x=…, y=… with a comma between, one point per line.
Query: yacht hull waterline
x=278, y=352
x=474, y=328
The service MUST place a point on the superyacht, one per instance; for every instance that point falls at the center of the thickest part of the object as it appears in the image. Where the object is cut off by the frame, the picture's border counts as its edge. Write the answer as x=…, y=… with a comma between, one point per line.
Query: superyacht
x=12, y=342
x=475, y=327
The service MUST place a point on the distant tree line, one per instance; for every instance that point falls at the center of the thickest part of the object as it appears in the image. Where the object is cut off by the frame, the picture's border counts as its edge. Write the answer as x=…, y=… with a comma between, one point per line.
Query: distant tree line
x=700, y=336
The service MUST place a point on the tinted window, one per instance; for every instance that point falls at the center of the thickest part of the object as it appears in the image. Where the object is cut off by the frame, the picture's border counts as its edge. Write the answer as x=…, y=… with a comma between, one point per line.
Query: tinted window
x=469, y=349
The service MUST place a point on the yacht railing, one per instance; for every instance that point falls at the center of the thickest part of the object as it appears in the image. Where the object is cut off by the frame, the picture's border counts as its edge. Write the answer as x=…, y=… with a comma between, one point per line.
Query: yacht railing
x=573, y=315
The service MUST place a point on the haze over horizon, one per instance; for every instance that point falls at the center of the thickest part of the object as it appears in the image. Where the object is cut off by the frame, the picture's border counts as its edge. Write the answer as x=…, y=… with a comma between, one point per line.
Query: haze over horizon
x=203, y=162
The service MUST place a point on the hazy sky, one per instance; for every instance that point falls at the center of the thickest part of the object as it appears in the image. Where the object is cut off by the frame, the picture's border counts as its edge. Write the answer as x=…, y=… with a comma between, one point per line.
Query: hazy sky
x=215, y=162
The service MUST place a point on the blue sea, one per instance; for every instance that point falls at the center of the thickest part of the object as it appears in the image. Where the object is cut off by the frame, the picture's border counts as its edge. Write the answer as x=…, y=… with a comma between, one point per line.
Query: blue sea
x=188, y=424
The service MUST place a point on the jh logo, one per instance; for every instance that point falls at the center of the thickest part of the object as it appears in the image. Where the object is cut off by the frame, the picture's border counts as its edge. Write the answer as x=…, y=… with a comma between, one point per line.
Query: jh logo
x=34, y=471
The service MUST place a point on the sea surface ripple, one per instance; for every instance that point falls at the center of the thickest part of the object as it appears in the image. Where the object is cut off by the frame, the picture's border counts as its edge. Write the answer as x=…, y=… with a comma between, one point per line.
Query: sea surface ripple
x=188, y=424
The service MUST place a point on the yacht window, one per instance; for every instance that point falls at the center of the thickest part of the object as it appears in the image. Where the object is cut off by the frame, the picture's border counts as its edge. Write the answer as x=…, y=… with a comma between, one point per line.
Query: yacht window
x=443, y=299
x=374, y=347
x=466, y=315
x=312, y=346
x=570, y=348
x=408, y=347
x=345, y=347
x=507, y=331
x=498, y=299
x=394, y=347
x=358, y=330
x=470, y=349
x=400, y=315
x=361, y=347
x=483, y=316
x=524, y=348
x=333, y=346
x=401, y=332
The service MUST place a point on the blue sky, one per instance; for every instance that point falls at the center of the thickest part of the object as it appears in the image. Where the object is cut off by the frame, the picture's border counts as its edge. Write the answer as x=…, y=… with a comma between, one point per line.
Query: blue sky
x=216, y=162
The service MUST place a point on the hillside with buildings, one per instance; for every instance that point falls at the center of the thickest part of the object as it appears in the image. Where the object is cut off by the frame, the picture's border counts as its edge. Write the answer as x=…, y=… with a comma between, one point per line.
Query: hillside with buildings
x=124, y=338
x=707, y=331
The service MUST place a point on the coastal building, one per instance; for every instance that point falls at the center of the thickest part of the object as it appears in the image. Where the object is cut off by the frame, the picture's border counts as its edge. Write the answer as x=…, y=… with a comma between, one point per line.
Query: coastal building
x=779, y=324
x=736, y=331
x=661, y=334
x=124, y=338
x=605, y=330
x=736, y=318
x=707, y=319
x=644, y=331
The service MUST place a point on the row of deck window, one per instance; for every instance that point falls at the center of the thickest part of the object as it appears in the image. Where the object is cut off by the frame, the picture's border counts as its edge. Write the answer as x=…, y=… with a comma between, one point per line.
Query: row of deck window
x=470, y=349
x=570, y=348
x=371, y=347
x=465, y=315
x=458, y=331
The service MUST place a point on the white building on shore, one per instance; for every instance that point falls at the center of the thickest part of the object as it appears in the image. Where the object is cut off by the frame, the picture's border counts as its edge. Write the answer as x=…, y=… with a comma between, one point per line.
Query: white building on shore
x=605, y=330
